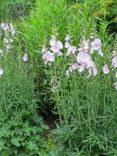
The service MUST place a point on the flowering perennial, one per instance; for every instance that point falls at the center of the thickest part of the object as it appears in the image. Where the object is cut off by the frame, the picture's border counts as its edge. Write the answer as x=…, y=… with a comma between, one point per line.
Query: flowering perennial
x=79, y=57
x=7, y=34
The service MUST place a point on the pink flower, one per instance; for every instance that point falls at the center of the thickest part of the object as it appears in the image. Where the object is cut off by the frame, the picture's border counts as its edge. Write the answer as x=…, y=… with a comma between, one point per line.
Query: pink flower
x=86, y=62
x=48, y=57
x=96, y=44
x=114, y=61
x=71, y=50
x=106, y=69
x=59, y=53
x=55, y=44
x=74, y=66
x=83, y=57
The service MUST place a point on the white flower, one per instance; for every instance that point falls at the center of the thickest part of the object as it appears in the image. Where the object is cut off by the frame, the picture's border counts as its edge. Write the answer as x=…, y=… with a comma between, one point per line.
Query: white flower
x=44, y=49
x=6, y=40
x=96, y=44
x=106, y=69
x=12, y=30
x=85, y=44
x=71, y=50
x=114, y=61
x=55, y=44
x=67, y=45
x=67, y=73
x=53, y=41
x=25, y=57
x=67, y=38
x=83, y=57
x=11, y=40
x=100, y=52
x=115, y=85
x=8, y=47
x=1, y=51
x=94, y=71
x=3, y=26
x=1, y=71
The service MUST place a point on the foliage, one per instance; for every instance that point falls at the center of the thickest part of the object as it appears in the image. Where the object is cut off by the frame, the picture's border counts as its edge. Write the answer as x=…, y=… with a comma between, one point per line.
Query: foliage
x=85, y=104
x=21, y=137
x=21, y=130
x=33, y=31
x=10, y=9
x=86, y=107
x=17, y=82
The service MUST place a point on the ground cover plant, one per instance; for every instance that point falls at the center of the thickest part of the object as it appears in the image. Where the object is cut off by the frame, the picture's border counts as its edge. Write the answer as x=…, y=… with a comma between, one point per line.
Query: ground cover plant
x=60, y=64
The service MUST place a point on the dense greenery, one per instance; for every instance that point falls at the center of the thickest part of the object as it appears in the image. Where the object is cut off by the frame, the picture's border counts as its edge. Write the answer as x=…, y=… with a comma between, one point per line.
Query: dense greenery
x=80, y=109
x=13, y=9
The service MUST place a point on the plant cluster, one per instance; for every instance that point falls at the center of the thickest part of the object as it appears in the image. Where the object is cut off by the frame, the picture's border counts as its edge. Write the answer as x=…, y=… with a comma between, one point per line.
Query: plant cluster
x=62, y=60
x=21, y=137
x=21, y=130
x=80, y=73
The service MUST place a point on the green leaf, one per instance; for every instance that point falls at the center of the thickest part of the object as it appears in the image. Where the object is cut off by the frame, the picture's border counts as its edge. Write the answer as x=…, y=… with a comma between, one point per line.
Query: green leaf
x=4, y=153
x=15, y=141
x=31, y=145
x=2, y=145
